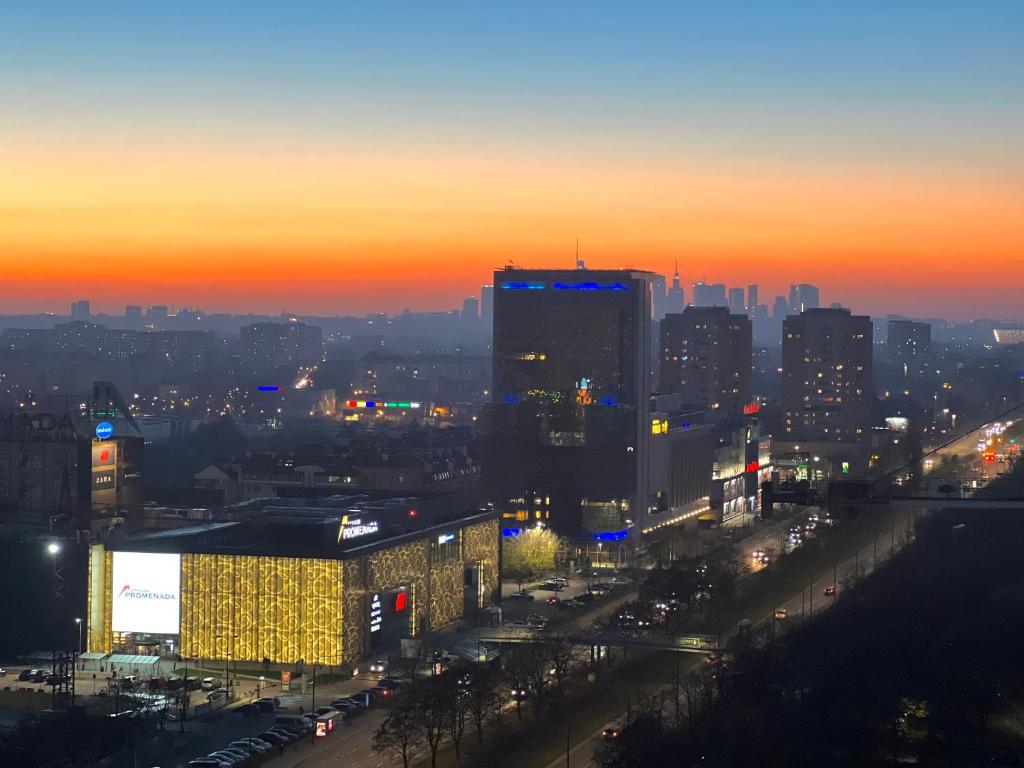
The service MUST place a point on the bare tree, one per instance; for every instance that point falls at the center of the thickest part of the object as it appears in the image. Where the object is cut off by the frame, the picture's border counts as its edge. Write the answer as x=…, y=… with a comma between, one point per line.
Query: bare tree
x=483, y=690
x=400, y=732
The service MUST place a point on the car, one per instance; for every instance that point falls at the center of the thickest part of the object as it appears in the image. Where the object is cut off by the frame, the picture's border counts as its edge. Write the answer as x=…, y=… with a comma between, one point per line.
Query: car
x=344, y=706
x=552, y=586
x=3, y=672
x=228, y=757
x=781, y=614
x=522, y=594
x=371, y=695
x=569, y=605
x=54, y=679
x=599, y=590
x=209, y=683
x=288, y=735
x=215, y=762
x=220, y=693
x=245, y=709
x=265, y=704
x=276, y=739
x=39, y=675
x=620, y=581
x=26, y=674
x=251, y=745
x=553, y=600
x=326, y=711
x=517, y=624
x=560, y=580
x=584, y=597
x=830, y=590
x=383, y=692
x=611, y=733
x=236, y=751
x=388, y=682
x=379, y=666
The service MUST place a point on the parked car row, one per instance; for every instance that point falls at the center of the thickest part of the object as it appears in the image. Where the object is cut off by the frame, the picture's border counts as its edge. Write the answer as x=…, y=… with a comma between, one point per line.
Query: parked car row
x=287, y=729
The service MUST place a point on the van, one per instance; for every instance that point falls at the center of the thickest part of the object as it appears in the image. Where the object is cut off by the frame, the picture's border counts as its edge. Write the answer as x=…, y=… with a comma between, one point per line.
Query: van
x=296, y=723
x=210, y=684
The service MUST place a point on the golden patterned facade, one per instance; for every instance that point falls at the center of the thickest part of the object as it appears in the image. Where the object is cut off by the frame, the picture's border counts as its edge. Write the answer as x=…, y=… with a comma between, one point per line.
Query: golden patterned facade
x=286, y=609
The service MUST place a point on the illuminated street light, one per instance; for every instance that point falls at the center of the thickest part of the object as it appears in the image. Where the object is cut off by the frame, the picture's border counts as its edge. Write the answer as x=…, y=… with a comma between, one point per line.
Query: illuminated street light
x=53, y=548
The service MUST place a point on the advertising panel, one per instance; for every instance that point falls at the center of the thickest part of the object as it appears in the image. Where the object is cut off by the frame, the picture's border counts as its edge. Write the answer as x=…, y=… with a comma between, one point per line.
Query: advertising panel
x=147, y=593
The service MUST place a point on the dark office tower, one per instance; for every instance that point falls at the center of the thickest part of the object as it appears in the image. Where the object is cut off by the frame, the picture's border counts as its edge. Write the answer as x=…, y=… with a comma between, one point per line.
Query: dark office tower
x=737, y=303
x=827, y=387
x=803, y=297
x=80, y=310
x=133, y=312
x=268, y=345
x=908, y=341
x=568, y=427
x=751, y=298
x=780, y=308
x=709, y=295
x=487, y=305
x=706, y=357
x=676, y=294
x=659, y=299
x=157, y=312
x=470, y=310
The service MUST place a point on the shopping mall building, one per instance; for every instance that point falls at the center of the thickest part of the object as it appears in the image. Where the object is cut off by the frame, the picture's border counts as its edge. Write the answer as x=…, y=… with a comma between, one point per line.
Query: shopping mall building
x=327, y=582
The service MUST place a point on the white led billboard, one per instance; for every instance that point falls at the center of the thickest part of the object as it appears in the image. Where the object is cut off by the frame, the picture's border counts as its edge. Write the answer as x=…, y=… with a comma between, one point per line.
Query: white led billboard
x=147, y=593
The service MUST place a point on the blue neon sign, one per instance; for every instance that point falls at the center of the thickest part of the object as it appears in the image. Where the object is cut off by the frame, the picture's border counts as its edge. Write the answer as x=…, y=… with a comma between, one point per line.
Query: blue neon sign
x=611, y=535
x=589, y=286
x=522, y=286
x=104, y=430
x=509, y=532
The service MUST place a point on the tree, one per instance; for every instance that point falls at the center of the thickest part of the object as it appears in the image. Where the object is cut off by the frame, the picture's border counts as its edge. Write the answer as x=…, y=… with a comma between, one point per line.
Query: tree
x=433, y=701
x=483, y=686
x=530, y=554
x=558, y=652
x=400, y=732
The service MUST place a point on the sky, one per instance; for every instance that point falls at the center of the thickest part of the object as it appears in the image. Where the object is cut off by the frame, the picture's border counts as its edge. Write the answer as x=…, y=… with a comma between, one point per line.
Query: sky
x=333, y=158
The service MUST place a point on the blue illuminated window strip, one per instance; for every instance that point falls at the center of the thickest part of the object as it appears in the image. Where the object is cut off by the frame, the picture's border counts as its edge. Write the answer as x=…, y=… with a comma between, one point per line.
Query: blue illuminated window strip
x=520, y=286
x=589, y=286
x=510, y=532
x=611, y=535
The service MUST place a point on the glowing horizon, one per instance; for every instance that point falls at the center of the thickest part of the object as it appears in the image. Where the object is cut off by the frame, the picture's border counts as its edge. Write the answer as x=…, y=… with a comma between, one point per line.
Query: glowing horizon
x=347, y=161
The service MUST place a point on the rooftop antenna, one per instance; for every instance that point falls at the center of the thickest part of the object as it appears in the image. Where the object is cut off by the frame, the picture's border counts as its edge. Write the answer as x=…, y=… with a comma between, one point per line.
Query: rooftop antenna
x=579, y=261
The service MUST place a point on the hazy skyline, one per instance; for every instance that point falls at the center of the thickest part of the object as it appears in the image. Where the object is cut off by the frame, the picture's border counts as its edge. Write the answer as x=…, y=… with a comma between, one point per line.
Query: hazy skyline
x=327, y=160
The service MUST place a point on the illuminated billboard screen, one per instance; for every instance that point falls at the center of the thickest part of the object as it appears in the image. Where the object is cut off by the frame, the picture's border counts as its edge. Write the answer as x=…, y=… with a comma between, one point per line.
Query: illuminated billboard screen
x=147, y=593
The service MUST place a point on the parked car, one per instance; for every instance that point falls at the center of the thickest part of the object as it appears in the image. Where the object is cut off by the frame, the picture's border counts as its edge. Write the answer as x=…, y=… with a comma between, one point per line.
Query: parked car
x=288, y=735
x=39, y=675
x=569, y=605
x=522, y=594
x=266, y=704
x=276, y=739
x=26, y=674
x=229, y=758
x=830, y=590
x=245, y=709
x=326, y=711
x=388, y=682
x=210, y=684
x=293, y=722
x=217, y=695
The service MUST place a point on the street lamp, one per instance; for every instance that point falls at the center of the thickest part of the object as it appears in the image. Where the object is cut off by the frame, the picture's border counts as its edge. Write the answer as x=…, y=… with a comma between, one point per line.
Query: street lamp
x=53, y=548
x=78, y=621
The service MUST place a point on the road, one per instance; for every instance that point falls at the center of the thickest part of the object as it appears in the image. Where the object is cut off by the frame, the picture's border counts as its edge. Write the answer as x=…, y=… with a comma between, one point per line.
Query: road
x=966, y=446
x=798, y=606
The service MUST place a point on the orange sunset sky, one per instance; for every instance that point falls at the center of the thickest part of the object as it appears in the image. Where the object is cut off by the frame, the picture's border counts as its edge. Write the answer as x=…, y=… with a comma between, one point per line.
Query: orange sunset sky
x=336, y=174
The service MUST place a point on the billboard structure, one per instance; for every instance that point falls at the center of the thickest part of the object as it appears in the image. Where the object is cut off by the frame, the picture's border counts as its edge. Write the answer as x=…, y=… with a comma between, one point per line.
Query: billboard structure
x=146, y=593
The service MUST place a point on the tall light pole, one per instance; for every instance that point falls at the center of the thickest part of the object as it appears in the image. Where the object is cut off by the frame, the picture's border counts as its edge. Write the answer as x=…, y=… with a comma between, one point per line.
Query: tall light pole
x=78, y=621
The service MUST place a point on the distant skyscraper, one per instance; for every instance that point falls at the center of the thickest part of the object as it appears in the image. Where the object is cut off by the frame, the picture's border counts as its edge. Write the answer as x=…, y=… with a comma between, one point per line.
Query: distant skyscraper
x=80, y=310
x=487, y=305
x=471, y=310
x=751, y=298
x=780, y=308
x=659, y=299
x=827, y=388
x=157, y=312
x=908, y=341
x=133, y=312
x=676, y=294
x=709, y=295
x=803, y=297
x=568, y=427
x=737, y=303
x=706, y=357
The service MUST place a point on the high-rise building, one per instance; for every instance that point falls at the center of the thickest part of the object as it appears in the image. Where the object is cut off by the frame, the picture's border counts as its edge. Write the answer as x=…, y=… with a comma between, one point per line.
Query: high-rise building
x=751, y=298
x=133, y=312
x=827, y=388
x=568, y=429
x=470, y=310
x=268, y=345
x=908, y=341
x=157, y=312
x=737, y=302
x=709, y=295
x=487, y=306
x=676, y=295
x=803, y=297
x=706, y=357
x=81, y=310
x=659, y=299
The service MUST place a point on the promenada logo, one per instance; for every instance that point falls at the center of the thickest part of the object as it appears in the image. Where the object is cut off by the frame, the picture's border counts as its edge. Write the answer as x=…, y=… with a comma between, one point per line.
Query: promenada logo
x=144, y=594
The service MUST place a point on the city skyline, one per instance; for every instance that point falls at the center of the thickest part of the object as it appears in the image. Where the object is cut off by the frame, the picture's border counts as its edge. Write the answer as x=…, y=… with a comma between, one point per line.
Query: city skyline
x=339, y=161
